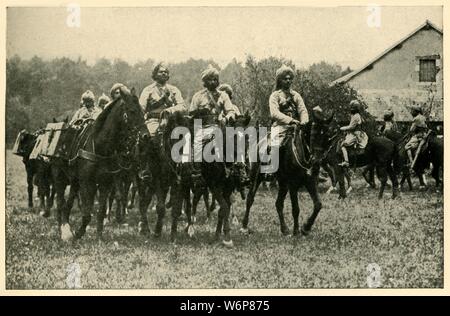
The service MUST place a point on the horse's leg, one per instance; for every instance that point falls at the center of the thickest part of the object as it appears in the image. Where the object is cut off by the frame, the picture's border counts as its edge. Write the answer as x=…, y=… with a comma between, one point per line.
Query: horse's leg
x=133, y=189
x=349, y=181
x=190, y=208
x=177, y=204
x=279, y=204
x=256, y=180
x=118, y=184
x=382, y=176
x=295, y=208
x=195, y=200
x=110, y=200
x=223, y=218
x=145, y=197
x=161, y=194
x=104, y=189
x=339, y=172
x=30, y=173
x=394, y=181
x=330, y=174
x=317, y=206
x=73, y=192
x=88, y=190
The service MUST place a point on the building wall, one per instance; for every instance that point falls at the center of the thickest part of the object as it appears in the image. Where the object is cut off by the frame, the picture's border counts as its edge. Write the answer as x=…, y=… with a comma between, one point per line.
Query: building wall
x=393, y=81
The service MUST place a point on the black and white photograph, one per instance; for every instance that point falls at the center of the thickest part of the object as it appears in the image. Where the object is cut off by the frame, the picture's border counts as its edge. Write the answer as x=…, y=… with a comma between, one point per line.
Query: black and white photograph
x=223, y=146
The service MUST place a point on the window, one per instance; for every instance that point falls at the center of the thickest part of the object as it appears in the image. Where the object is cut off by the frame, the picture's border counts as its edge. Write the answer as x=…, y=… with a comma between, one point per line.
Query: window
x=427, y=70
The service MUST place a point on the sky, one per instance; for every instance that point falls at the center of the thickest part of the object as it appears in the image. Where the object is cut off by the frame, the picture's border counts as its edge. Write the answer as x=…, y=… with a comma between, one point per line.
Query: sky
x=344, y=35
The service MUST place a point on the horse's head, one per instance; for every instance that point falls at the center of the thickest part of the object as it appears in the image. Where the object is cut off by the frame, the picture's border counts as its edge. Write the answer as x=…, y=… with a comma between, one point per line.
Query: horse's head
x=324, y=131
x=26, y=143
x=123, y=117
x=241, y=120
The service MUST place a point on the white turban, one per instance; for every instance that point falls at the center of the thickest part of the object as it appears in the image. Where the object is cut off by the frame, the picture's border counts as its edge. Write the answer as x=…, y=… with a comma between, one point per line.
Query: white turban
x=87, y=95
x=210, y=71
x=284, y=70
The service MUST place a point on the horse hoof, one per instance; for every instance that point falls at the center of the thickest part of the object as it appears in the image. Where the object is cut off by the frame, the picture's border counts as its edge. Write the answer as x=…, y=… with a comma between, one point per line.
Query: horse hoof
x=244, y=231
x=350, y=189
x=422, y=188
x=228, y=243
x=191, y=231
x=143, y=229
x=66, y=233
x=285, y=232
x=194, y=219
x=44, y=214
x=305, y=232
x=331, y=189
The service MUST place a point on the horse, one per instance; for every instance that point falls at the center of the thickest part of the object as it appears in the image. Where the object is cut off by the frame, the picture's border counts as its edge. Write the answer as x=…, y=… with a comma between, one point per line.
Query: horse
x=380, y=153
x=155, y=153
x=294, y=172
x=97, y=155
x=431, y=153
x=38, y=172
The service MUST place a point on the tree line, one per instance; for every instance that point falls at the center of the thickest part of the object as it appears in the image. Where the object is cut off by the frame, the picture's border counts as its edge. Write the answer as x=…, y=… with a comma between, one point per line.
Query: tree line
x=39, y=90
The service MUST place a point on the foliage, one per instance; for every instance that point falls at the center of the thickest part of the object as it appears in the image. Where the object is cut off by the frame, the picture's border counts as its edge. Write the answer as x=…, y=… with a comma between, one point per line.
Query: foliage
x=38, y=90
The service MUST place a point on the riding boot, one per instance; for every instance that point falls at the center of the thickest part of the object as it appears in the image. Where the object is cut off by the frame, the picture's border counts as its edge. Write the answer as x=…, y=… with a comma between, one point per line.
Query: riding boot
x=345, y=154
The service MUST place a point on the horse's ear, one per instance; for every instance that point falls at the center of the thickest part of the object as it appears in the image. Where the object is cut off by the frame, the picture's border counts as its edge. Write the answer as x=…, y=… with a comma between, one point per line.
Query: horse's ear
x=133, y=91
x=66, y=120
x=54, y=120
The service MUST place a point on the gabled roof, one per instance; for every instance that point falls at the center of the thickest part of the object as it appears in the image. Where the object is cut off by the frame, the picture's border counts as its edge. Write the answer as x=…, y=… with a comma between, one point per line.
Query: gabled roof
x=356, y=72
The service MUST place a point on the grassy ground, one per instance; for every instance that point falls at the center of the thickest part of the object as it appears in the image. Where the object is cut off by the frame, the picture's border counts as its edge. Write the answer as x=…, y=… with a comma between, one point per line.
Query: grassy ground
x=403, y=237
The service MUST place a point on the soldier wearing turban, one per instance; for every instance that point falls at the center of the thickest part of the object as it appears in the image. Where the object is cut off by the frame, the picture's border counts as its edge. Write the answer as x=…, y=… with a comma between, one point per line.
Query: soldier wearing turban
x=87, y=110
x=103, y=101
x=160, y=98
x=418, y=130
x=355, y=136
x=207, y=104
x=286, y=106
x=240, y=168
x=389, y=122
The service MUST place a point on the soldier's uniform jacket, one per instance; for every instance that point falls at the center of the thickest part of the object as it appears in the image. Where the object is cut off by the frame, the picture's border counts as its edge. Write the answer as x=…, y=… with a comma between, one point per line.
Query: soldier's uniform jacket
x=85, y=113
x=286, y=106
x=419, y=124
x=213, y=103
x=155, y=98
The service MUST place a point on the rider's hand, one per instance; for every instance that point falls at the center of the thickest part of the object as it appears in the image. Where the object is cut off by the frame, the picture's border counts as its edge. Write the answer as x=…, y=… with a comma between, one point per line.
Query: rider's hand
x=294, y=122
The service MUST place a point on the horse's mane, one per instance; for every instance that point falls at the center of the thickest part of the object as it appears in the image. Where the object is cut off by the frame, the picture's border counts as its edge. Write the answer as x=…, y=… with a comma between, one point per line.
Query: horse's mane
x=100, y=121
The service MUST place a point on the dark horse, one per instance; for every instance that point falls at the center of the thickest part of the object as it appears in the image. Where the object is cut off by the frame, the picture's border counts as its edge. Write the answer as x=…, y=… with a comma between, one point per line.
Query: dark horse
x=38, y=172
x=431, y=153
x=380, y=153
x=98, y=154
x=292, y=174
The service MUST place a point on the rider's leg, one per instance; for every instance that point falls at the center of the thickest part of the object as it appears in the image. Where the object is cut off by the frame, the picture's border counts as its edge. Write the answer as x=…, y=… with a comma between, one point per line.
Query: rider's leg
x=345, y=155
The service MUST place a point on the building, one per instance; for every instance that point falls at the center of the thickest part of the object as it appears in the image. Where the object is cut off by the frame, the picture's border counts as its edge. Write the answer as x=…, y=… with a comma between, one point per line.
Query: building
x=409, y=72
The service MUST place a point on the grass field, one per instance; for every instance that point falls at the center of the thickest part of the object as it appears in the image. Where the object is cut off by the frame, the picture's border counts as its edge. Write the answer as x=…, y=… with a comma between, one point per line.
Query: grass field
x=404, y=237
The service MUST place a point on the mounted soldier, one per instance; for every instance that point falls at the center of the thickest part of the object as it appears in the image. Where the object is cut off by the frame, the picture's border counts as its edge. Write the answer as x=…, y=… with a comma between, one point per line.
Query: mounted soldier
x=160, y=98
x=355, y=136
x=207, y=105
x=157, y=100
x=87, y=109
x=239, y=166
x=286, y=107
x=390, y=125
x=418, y=130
